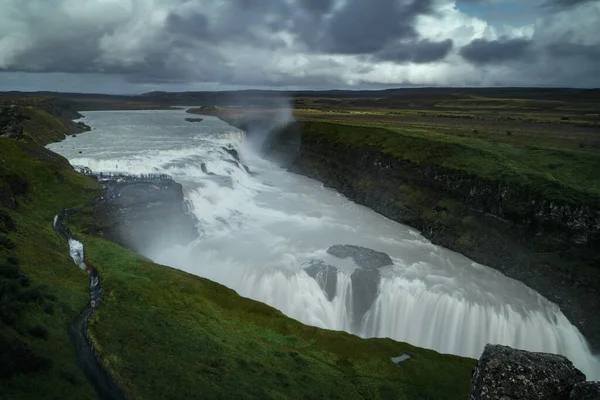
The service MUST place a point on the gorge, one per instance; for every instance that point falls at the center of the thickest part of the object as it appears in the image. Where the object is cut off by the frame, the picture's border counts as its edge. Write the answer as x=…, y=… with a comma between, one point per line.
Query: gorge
x=261, y=232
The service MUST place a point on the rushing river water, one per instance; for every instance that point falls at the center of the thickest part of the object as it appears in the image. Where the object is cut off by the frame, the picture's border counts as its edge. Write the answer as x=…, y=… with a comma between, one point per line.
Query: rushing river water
x=259, y=231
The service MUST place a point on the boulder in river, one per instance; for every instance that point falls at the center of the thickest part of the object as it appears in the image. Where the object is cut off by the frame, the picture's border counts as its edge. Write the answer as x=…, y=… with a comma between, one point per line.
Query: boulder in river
x=506, y=373
x=233, y=153
x=362, y=256
x=365, y=286
x=325, y=275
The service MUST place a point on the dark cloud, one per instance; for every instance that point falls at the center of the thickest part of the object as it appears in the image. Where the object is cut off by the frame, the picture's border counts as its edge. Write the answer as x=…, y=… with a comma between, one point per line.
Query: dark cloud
x=420, y=52
x=294, y=42
x=317, y=6
x=565, y=4
x=191, y=24
x=590, y=53
x=481, y=51
x=362, y=27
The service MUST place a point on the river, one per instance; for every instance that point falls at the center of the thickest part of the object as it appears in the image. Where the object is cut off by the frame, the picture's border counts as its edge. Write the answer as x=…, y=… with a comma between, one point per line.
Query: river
x=259, y=231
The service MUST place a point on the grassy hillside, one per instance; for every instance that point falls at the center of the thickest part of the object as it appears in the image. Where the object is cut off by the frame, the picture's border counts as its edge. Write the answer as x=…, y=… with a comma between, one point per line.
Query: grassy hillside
x=164, y=333
x=36, y=356
x=559, y=174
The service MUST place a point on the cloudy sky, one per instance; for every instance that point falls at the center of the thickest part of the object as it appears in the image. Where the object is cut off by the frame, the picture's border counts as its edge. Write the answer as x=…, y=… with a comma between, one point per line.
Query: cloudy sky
x=134, y=46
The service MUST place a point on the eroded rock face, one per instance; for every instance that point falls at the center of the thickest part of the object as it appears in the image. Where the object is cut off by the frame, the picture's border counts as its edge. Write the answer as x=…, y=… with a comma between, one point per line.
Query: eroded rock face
x=586, y=391
x=11, y=118
x=363, y=257
x=506, y=373
x=145, y=214
x=325, y=275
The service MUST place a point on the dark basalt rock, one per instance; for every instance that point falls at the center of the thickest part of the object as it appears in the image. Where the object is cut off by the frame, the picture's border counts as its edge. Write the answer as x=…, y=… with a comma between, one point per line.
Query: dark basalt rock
x=363, y=257
x=586, y=391
x=11, y=119
x=233, y=152
x=506, y=373
x=194, y=119
x=365, y=286
x=325, y=275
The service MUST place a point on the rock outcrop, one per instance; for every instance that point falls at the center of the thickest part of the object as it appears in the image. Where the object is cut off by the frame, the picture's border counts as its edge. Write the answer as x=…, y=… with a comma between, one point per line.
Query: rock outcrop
x=362, y=256
x=365, y=279
x=11, y=119
x=143, y=213
x=586, y=391
x=325, y=275
x=506, y=373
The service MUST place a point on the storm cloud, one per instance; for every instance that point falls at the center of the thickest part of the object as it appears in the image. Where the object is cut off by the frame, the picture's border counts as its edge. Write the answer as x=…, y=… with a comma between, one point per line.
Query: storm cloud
x=164, y=44
x=481, y=51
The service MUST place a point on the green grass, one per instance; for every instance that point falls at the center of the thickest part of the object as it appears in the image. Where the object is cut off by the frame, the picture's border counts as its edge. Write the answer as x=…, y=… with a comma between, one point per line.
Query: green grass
x=563, y=175
x=45, y=260
x=43, y=127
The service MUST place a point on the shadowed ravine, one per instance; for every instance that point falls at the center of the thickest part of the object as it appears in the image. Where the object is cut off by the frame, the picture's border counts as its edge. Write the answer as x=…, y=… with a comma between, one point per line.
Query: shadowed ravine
x=89, y=361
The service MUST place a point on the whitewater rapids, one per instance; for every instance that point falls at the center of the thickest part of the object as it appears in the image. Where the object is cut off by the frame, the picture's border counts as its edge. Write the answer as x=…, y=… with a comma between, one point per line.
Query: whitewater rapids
x=259, y=231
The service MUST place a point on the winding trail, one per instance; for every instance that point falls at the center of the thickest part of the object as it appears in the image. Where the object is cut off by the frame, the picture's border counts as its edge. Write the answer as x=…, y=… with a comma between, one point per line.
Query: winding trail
x=89, y=360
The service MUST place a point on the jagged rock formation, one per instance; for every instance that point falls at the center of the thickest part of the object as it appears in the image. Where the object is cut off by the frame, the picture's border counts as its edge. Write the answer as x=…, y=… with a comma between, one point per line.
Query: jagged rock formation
x=11, y=118
x=586, y=391
x=506, y=373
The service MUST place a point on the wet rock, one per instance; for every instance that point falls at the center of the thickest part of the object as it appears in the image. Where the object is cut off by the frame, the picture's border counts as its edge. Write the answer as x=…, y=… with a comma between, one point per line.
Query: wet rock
x=363, y=257
x=233, y=152
x=194, y=119
x=365, y=286
x=506, y=373
x=11, y=119
x=325, y=275
x=586, y=391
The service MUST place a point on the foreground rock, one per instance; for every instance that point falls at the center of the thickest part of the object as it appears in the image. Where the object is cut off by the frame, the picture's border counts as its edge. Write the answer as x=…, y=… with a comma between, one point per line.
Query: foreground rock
x=586, y=391
x=506, y=373
x=144, y=213
x=11, y=118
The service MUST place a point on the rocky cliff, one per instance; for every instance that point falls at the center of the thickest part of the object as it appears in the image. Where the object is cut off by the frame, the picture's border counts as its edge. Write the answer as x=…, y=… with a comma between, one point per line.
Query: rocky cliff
x=142, y=213
x=506, y=373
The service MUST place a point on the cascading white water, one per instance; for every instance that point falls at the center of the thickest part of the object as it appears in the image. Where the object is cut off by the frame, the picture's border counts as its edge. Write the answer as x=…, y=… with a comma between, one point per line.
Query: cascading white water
x=259, y=232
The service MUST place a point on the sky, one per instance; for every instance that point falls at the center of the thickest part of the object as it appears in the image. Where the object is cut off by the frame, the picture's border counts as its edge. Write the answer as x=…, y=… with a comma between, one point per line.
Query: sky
x=137, y=46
